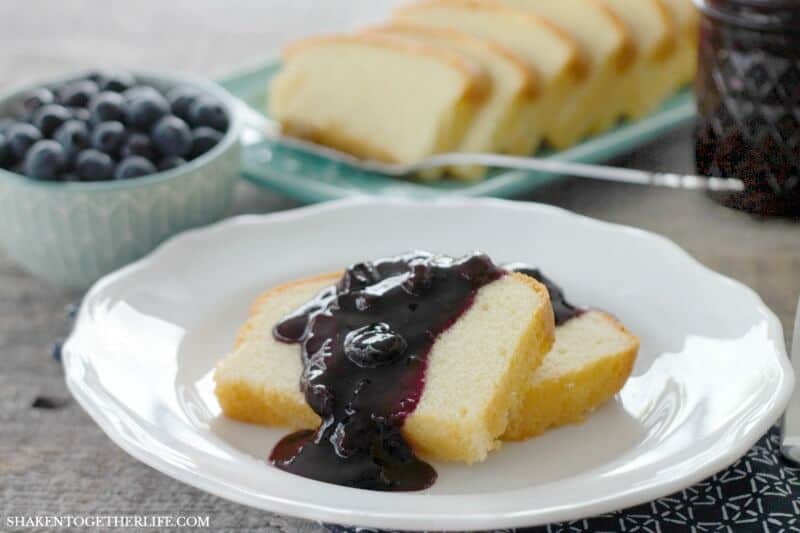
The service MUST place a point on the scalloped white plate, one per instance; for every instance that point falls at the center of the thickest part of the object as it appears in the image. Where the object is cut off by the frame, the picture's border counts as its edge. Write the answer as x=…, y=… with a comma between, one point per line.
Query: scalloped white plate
x=711, y=378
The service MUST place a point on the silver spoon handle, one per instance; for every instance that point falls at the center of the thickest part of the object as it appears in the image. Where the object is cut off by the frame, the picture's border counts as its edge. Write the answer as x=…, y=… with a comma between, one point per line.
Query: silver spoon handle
x=625, y=175
x=260, y=127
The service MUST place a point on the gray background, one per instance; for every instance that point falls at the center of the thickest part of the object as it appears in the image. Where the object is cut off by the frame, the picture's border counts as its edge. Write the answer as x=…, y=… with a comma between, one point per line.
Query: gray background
x=57, y=461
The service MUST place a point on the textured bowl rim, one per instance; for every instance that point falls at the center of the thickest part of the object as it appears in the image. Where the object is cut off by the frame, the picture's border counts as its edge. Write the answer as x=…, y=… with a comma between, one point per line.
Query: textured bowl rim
x=231, y=137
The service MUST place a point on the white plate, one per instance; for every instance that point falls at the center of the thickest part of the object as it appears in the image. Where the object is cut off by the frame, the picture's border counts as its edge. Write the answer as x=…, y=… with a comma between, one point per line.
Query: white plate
x=711, y=378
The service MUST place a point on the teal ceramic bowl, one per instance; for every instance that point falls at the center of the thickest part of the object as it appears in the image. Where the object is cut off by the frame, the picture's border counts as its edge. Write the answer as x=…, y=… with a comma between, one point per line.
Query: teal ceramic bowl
x=71, y=234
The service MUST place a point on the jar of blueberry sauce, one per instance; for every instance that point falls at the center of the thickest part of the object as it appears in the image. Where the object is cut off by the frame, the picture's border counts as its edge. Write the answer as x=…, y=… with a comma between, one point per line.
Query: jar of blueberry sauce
x=748, y=97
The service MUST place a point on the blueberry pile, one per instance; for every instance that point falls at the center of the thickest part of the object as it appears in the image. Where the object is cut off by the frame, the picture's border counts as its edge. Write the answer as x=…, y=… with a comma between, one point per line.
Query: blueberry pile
x=107, y=126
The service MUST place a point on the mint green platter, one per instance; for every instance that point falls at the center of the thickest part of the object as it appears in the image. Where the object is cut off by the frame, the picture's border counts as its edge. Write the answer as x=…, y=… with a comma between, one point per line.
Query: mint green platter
x=312, y=178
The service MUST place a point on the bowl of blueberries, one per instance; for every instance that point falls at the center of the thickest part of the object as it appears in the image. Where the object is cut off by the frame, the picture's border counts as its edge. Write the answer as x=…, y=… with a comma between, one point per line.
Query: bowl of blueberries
x=96, y=170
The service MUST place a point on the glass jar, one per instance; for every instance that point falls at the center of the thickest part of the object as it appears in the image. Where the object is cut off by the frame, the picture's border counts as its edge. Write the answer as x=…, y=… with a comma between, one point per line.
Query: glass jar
x=748, y=97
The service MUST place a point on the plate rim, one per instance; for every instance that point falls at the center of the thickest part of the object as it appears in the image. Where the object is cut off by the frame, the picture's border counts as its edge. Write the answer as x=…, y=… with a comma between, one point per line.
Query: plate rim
x=400, y=519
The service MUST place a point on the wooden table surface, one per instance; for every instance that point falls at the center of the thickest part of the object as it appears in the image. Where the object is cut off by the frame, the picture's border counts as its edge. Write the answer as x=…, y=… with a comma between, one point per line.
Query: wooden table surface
x=57, y=460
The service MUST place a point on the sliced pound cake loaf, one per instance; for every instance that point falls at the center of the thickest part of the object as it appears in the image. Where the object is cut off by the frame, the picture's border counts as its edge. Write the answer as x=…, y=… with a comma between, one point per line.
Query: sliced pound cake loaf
x=501, y=125
x=475, y=370
x=377, y=97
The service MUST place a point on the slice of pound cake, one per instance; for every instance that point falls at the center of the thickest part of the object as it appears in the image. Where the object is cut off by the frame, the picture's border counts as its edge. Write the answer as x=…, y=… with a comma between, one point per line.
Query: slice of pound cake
x=591, y=360
x=607, y=44
x=455, y=406
x=545, y=46
x=501, y=125
x=377, y=97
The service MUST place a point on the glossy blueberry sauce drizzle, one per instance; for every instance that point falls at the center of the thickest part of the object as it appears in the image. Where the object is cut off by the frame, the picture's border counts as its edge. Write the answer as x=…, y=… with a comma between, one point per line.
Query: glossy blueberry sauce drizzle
x=562, y=309
x=365, y=344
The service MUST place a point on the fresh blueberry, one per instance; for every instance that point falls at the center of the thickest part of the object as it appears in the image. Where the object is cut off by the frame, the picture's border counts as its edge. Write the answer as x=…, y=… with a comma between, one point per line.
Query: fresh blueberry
x=138, y=144
x=73, y=136
x=208, y=111
x=70, y=176
x=203, y=140
x=106, y=106
x=95, y=76
x=419, y=279
x=172, y=136
x=168, y=163
x=45, y=160
x=20, y=137
x=181, y=100
x=6, y=123
x=94, y=165
x=133, y=167
x=49, y=117
x=138, y=91
x=77, y=93
x=477, y=268
x=80, y=113
x=5, y=152
x=116, y=81
x=108, y=137
x=144, y=110
x=36, y=99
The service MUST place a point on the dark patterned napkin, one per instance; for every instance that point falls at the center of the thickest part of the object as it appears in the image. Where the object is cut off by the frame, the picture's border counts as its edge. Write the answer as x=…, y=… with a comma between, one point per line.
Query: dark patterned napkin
x=758, y=493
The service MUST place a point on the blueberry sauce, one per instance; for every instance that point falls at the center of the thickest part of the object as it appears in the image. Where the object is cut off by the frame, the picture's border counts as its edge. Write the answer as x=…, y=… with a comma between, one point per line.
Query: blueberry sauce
x=562, y=309
x=365, y=344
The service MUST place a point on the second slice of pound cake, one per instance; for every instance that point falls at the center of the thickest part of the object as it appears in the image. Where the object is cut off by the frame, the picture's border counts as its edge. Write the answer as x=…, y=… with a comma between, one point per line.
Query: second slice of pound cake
x=590, y=362
x=377, y=97
x=501, y=125
x=475, y=372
